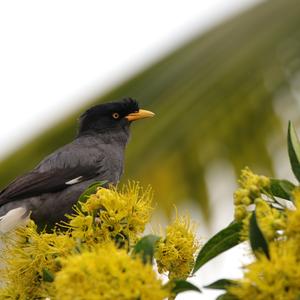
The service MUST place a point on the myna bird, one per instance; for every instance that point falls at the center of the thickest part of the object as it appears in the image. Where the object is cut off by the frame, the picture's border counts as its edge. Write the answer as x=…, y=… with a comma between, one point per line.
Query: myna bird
x=50, y=190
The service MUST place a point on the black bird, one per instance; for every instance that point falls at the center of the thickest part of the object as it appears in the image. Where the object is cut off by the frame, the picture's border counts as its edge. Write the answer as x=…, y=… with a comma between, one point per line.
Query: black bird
x=50, y=190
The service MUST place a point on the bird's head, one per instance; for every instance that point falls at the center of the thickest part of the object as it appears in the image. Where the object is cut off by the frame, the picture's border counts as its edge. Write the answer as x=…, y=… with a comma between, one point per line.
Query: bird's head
x=112, y=115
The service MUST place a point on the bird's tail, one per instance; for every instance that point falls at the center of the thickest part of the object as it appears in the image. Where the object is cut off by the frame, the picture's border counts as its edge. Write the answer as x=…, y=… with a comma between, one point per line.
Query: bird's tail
x=13, y=219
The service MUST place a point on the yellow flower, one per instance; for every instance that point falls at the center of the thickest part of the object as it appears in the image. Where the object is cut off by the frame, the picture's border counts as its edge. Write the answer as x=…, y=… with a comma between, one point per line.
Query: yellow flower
x=83, y=228
x=107, y=273
x=120, y=215
x=275, y=278
x=296, y=195
x=240, y=212
x=176, y=253
x=244, y=234
x=270, y=220
x=93, y=202
x=26, y=257
x=293, y=218
x=240, y=195
x=252, y=182
x=251, y=186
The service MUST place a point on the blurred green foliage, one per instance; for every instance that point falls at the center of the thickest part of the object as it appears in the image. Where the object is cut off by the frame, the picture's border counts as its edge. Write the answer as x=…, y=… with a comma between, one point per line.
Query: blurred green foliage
x=212, y=98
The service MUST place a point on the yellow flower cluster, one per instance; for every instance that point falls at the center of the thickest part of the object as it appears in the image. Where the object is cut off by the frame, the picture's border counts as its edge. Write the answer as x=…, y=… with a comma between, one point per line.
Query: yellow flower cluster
x=108, y=214
x=91, y=257
x=251, y=186
x=113, y=214
x=270, y=220
x=26, y=258
x=82, y=228
x=107, y=273
x=176, y=253
x=275, y=278
x=293, y=218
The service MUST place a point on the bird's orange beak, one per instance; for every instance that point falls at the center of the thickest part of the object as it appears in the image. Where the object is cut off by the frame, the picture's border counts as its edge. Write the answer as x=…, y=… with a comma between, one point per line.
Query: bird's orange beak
x=141, y=114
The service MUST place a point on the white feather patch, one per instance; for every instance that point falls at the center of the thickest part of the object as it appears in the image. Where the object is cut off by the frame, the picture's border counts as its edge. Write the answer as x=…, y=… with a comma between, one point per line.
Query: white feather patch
x=14, y=218
x=75, y=180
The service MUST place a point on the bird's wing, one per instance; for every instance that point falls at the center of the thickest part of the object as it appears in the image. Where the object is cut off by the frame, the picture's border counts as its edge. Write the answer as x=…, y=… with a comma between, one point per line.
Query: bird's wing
x=65, y=167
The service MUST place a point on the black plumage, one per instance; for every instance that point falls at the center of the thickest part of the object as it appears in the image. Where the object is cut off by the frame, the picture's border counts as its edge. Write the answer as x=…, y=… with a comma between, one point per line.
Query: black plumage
x=97, y=153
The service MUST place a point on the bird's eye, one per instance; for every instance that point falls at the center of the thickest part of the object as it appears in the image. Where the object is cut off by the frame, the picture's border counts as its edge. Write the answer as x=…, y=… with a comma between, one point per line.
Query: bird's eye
x=115, y=115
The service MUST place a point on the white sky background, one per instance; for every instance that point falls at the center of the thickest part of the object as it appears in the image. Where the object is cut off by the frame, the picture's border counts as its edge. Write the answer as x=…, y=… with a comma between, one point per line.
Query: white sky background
x=54, y=55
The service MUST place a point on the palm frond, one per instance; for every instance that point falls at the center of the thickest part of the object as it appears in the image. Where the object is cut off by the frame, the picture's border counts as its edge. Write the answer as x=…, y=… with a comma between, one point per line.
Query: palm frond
x=213, y=98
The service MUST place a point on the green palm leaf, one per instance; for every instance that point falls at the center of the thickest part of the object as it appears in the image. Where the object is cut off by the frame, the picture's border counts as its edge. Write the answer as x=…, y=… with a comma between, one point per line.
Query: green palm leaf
x=213, y=99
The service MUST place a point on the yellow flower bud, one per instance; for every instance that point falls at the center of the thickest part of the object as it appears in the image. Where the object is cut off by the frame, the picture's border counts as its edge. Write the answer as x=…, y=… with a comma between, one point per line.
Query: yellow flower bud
x=240, y=212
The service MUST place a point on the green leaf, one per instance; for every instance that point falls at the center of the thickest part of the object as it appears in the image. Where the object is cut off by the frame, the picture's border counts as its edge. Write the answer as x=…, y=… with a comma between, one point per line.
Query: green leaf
x=180, y=286
x=257, y=239
x=146, y=247
x=294, y=150
x=282, y=188
x=219, y=243
x=92, y=189
x=47, y=275
x=227, y=296
x=220, y=284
